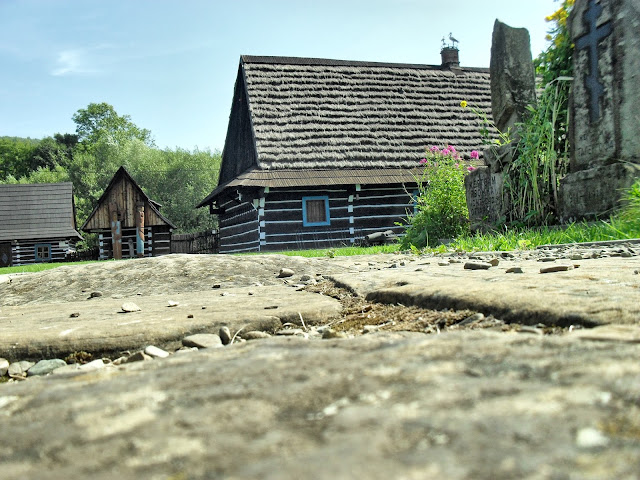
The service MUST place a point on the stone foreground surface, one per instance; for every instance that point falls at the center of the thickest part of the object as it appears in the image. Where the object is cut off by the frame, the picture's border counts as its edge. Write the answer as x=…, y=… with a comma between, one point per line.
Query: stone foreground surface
x=462, y=405
x=469, y=404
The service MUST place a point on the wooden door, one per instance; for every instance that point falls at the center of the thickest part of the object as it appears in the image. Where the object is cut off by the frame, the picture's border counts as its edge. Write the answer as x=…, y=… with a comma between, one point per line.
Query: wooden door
x=5, y=255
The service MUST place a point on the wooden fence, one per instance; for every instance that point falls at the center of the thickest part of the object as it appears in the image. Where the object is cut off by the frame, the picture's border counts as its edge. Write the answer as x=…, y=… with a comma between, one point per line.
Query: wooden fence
x=201, y=242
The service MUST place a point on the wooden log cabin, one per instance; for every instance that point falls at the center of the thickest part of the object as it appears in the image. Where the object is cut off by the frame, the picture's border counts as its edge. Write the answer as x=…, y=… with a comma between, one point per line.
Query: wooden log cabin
x=128, y=223
x=321, y=152
x=37, y=223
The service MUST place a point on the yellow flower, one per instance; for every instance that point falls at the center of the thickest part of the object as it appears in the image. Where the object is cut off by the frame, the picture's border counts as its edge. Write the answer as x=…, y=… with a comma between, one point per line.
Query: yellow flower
x=463, y=104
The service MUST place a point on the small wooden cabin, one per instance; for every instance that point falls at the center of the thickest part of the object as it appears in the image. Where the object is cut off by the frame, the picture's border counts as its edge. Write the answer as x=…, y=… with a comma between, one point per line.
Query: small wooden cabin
x=37, y=223
x=129, y=224
x=323, y=152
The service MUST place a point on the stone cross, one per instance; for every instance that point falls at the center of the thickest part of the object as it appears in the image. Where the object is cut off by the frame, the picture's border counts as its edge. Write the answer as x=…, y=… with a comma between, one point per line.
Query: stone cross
x=604, y=127
x=590, y=41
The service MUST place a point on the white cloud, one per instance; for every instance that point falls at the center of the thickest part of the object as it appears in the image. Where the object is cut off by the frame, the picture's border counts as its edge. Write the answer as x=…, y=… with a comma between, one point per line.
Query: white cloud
x=73, y=62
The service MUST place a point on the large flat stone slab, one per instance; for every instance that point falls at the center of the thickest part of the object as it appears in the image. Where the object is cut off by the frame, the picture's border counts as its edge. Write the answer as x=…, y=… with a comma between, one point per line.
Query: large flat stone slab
x=598, y=291
x=98, y=325
x=458, y=405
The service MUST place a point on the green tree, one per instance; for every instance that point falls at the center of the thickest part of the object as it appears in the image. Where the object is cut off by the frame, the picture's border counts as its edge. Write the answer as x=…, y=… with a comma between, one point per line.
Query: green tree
x=15, y=155
x=99, y=123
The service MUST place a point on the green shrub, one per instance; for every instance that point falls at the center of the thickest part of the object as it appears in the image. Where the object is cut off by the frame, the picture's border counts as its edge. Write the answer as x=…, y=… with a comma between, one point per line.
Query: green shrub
x=441, y=206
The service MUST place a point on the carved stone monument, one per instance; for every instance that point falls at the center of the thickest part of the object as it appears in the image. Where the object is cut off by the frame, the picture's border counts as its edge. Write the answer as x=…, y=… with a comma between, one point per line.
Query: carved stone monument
x=512, y=89
x=512, y=75
x=604, y=106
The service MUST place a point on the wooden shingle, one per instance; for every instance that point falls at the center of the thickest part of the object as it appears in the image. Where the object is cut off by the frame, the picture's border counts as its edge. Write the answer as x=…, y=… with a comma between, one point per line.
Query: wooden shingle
x=37, y=211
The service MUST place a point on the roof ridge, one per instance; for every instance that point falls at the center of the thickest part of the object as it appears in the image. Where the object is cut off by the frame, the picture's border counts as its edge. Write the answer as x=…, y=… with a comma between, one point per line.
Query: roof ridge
x=267, y=59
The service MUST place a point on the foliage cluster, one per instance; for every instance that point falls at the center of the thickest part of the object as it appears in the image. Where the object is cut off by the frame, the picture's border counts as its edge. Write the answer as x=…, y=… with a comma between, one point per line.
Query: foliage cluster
x=541, y=159
x=440, y=205
x=625, y=224
x=176, y=178
x=542, y=153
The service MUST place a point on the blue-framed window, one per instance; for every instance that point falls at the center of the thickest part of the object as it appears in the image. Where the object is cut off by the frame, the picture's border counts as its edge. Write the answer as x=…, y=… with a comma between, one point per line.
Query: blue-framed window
x=414, y=197
x=42, y=252
x=315, y=211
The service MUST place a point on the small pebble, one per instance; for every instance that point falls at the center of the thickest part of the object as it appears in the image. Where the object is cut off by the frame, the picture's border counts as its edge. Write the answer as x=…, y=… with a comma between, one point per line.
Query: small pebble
x=255, y=335
x=138, y=357
x=591, y=438
x=44, y=367
x=155, y=352
x=494, y=262
x=477, y=266
x=286, y=272
x=203, y=340
x=225, y=335
x=556, y=268
x=4, y=366
x=172, y=303
x=75, y=315
x=129, y=307
x=514, y=270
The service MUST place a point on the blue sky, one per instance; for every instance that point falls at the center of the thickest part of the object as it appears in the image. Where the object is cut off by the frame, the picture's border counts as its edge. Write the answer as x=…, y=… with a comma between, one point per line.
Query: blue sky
x=171, y=65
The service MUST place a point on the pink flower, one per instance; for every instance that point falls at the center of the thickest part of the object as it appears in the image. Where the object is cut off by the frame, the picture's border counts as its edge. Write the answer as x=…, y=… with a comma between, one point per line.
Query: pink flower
x=434, y=149
x=424, y=160
x=470, y=168
x=446, y=151
x=451, y=148
x=474, y=154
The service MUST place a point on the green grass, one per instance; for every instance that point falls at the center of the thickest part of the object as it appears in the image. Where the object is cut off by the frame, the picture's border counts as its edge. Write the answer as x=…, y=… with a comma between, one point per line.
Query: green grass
x=339, y=251
x=38, y=267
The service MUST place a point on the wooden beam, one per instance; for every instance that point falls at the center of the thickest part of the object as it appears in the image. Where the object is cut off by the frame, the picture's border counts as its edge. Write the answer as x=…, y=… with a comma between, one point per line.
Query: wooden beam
x=116, y=231
x=140, y=229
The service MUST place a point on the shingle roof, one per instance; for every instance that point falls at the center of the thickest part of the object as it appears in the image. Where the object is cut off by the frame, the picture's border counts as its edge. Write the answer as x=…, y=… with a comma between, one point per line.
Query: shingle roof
x=319, y=113
x=37, y=211
x=311, y=178
x=315, y=115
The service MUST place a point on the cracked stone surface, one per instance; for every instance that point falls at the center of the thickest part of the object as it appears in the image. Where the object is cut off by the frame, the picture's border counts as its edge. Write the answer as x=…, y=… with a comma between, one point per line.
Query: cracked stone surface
x=467, y=404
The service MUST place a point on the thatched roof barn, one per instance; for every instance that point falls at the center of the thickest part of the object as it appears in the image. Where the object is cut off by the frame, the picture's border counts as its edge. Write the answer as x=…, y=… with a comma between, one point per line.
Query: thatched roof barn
x=346, y=134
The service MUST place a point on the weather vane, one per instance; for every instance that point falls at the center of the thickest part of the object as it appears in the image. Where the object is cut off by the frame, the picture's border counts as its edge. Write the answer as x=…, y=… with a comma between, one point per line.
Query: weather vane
x=453, y=40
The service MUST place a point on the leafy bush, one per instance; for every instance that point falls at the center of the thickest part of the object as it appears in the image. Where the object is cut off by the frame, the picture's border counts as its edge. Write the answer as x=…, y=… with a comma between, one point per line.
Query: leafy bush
x=441, y=206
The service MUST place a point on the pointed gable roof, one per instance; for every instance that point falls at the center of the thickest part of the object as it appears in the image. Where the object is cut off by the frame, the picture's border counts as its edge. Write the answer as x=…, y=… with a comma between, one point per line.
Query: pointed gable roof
x=37, y=211
x=318, y=114
x=124, y=190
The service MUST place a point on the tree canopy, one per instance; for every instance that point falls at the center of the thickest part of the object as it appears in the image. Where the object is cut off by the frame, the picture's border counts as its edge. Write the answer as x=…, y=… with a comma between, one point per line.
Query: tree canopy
x=176, y=178
x=99, y=123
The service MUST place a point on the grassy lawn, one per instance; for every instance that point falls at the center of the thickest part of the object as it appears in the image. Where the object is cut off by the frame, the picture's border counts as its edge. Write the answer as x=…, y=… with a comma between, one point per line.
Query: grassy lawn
x=532, y=238
x=38, y=267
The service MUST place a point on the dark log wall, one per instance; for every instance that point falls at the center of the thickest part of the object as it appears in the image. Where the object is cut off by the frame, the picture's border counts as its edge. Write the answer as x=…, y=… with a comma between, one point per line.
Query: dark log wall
x=24, y=251
x=157, y=241
x=282, y=223
x=239, y=225
x=379, y=207
x=355, y=211
x=239, y=153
